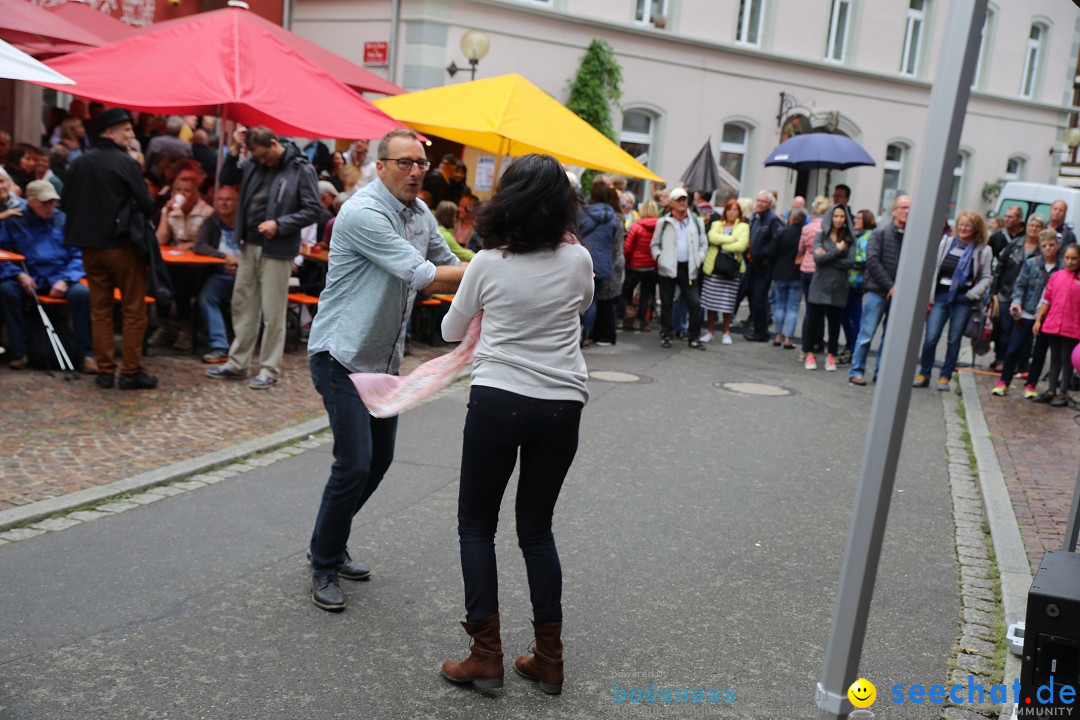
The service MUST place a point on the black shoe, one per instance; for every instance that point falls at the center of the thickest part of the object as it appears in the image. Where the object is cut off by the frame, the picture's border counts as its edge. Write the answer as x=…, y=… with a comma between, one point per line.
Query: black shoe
x=349, y=570
x=755, y=337
x=1059, y=401
x=105, y=381
x=697, y=345
x=326, y=593
x=224, y=373
x=1046, y=397
x=138, y=381
x=665, y=343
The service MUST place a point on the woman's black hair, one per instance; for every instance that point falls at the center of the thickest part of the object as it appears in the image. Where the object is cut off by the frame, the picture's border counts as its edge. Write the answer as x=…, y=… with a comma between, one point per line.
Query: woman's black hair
x=533, y=208
x=848, y=233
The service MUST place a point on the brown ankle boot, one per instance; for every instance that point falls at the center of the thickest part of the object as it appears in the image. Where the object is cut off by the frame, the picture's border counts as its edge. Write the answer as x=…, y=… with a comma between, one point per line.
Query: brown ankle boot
x=484, y=666
x=546, y=662
x=628, y=323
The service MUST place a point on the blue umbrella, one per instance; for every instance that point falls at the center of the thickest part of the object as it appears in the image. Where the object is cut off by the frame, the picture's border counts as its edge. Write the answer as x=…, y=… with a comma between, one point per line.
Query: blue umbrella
x=819, y=150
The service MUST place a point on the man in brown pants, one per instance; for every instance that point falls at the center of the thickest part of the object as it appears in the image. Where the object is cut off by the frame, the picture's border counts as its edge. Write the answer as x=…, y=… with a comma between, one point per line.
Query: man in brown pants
x=103, y=187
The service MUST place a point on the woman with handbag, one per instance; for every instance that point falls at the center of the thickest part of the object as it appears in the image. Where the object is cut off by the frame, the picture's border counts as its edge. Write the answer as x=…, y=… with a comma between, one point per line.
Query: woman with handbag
x=728, y=239
x=528, y=390
x=962, y=276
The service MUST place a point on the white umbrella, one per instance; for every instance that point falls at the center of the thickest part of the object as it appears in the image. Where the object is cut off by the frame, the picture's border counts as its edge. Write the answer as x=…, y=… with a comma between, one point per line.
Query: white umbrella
x=17, y=65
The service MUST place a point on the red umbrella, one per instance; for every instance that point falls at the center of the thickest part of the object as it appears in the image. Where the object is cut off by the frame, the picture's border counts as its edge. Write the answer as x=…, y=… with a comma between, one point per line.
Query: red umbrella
x=349, y=73
x=244, y=73
x=101, y=24
x=22, y=22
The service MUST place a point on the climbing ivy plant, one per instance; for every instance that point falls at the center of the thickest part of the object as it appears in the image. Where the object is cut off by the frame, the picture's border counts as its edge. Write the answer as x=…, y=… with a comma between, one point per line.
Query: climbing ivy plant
x=594, y=91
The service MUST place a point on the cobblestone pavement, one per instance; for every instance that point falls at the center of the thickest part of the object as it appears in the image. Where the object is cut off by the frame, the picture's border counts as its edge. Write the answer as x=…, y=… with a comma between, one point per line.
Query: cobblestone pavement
x=1039, y=455
x=58, y=437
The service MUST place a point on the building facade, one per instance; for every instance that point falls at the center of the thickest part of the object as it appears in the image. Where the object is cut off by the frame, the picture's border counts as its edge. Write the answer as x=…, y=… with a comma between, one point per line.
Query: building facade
x=747, y=73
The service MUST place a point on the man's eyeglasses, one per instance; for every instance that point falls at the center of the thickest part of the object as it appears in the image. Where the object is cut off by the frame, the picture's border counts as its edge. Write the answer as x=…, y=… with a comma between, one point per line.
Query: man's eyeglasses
x=407, y=163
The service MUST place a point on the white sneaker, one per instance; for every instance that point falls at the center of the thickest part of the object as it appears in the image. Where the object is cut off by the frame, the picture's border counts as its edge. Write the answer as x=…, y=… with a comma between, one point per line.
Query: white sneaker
x=705, y=336
x=726, y=339
x=811, y=363
x=830, y=365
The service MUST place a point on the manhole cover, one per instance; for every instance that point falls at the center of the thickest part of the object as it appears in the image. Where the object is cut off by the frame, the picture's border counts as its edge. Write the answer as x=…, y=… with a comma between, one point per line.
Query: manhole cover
x=614, y=376
x=752, y=388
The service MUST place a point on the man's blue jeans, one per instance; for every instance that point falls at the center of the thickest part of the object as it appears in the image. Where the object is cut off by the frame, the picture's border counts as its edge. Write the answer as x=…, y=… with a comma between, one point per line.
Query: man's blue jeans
x=788, y=297
x=851, y=318
x=215, y=291
x=875, y=312
x=12, y=297
x=363, y=451
x=955, y=313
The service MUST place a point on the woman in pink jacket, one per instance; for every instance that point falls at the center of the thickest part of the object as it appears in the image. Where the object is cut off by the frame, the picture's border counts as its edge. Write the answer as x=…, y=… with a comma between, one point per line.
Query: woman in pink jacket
x=805, y=258
x=1059, y=320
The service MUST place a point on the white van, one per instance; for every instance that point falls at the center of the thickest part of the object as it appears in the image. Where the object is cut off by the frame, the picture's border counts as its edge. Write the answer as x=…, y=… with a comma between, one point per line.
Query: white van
x=1037, y=198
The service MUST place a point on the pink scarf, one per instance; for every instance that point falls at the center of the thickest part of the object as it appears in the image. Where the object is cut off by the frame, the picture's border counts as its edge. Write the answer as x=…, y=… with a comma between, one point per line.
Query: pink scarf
x=389, y=395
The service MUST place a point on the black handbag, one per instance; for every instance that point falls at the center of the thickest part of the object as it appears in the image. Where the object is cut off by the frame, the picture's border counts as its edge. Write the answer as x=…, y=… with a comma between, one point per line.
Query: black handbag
x=726, y=266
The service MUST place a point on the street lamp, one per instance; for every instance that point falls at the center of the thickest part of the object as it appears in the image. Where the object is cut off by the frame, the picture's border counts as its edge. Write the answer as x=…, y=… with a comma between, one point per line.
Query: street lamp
x=474, y=44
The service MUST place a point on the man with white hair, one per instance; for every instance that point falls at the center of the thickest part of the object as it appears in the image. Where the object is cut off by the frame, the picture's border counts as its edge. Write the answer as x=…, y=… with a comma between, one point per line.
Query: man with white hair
x=764, y=226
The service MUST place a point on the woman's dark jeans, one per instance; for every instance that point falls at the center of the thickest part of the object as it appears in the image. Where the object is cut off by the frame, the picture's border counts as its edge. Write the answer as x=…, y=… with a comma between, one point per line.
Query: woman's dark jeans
x=363, y=451
x=498, y=424
x=1020, y=349
x=1061, y=368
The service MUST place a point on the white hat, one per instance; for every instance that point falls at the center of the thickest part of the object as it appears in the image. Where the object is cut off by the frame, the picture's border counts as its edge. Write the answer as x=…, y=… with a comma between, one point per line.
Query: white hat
x=677, y=194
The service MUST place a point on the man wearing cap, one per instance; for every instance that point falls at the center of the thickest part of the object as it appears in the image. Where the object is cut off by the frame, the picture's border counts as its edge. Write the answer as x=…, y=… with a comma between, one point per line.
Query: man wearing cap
x=104, y=195
x=679, y=246
x=54, y=270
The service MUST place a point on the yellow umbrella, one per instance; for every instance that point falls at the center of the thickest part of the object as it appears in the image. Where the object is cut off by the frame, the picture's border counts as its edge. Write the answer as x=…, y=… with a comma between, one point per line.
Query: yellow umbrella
x=508, y=115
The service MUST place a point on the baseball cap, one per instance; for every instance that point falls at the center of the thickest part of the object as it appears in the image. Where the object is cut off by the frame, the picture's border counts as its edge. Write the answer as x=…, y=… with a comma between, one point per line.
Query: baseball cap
x=678, y=194
x=41, y=190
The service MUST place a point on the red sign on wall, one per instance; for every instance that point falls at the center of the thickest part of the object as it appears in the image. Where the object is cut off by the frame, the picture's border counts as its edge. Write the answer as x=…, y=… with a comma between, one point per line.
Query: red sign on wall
x=375, y=53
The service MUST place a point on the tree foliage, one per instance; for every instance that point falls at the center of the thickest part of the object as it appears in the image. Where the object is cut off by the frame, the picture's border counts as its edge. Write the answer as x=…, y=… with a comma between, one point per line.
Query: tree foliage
x=595, y=89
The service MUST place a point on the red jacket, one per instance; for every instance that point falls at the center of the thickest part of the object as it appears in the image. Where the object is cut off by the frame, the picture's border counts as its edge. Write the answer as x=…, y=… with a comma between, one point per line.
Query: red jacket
x=636, y=246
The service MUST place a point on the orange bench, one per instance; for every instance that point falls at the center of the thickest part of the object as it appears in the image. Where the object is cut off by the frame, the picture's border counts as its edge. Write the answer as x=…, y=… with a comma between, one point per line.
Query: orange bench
x=297, y=301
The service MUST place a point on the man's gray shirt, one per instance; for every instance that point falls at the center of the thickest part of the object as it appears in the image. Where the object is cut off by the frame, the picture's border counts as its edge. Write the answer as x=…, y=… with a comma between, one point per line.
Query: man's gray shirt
x=381, y=253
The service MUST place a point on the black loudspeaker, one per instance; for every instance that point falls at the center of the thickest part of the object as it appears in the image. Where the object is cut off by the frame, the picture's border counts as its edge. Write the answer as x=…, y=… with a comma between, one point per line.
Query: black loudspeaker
x=1050, y=672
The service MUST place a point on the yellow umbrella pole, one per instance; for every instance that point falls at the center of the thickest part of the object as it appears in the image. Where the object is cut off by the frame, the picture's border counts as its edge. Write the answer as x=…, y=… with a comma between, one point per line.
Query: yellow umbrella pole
x=498, y=163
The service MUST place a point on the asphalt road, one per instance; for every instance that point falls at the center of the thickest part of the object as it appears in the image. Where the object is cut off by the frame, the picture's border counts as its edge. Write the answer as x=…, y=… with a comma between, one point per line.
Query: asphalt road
x=701, y=533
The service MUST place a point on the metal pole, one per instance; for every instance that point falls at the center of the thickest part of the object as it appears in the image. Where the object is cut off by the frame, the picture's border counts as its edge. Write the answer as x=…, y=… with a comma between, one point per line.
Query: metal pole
x=888, y=414
x=395, y=18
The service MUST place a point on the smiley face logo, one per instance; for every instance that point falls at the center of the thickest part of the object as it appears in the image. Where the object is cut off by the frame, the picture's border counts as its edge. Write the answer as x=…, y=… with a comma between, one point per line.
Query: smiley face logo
x=862, y=693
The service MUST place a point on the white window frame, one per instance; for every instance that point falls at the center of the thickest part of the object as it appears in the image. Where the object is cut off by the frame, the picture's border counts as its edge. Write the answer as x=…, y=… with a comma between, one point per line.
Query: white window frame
x=1021, y=166
x=963, y=160
x=896, y=166
x=646, y=17
x=648, y=139
x=982, y=47
x=916, y=18
x=742, y=149
x=836, y=37
x=1029, y=80
x=742, y=25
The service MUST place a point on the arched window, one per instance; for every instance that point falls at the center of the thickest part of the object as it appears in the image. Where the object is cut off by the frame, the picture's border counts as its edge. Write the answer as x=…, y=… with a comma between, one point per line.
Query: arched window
x=636, y=138
x=1032, y=57
x=1014, y=168
x=892, y=180
x=913, y=32
x=956, y=195
x=734, y=142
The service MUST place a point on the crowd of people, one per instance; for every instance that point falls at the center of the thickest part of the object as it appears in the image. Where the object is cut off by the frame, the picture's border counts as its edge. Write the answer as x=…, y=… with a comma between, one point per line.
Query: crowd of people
x=842, y=265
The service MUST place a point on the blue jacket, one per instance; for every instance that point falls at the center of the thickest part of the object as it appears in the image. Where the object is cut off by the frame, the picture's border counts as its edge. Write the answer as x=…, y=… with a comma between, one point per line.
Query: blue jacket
x=596, y=226
x=42, y=242
x=1030, y=283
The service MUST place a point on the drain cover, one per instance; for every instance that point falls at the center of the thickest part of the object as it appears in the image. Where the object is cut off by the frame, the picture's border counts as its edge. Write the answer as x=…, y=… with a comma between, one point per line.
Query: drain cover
x=752, y=388
x=614, y=376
